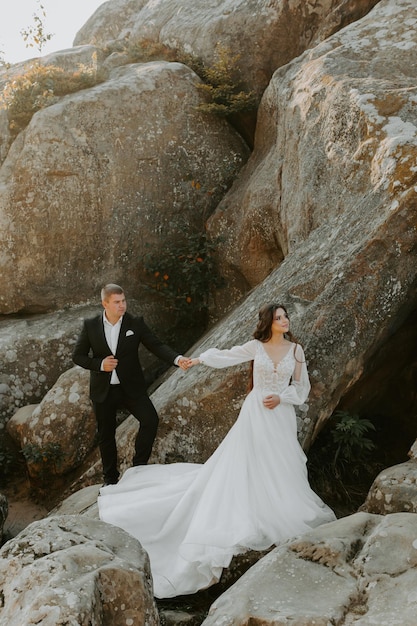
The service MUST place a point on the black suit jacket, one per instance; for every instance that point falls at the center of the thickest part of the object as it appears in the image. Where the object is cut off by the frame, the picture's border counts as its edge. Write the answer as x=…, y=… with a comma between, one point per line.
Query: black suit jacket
x=91, y=348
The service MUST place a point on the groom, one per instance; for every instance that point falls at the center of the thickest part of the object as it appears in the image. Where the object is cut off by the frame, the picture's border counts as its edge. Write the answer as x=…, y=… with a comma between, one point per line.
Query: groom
x=108, y=346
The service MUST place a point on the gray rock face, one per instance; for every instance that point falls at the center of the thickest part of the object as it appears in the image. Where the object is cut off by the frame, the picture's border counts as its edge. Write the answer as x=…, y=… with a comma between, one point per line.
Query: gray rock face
x=34, y=352
x=63, y=418
x=359, y=570
x=101, y=175
x=82, y=502
x=394, y=490
x=264, y=35
x=328, y=147
x=75, y=570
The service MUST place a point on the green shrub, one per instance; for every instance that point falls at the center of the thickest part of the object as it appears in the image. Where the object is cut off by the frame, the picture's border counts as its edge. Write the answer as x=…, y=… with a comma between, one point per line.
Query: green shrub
x=40, y=86
x=350, y=445
x=7, y=463
x=42, y=460
x=183, y=275
x=339, y=462
x=222, y=81
x=147, y=50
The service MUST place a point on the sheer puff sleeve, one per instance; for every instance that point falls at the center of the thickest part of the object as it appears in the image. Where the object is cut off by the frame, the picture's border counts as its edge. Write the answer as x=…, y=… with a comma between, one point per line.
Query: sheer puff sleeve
x=299, y=388
x=233, y=356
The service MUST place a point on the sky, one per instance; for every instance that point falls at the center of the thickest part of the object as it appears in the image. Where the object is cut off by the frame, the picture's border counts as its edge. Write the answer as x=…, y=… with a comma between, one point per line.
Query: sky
x=64, y=18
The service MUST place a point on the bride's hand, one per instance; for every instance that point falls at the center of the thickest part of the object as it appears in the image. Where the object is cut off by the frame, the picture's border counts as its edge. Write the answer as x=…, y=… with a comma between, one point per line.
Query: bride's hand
x=271, y=401
x=193, y=362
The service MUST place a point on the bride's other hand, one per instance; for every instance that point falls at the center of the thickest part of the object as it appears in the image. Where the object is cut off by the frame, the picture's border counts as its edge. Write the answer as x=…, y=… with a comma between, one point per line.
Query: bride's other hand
x=193, y=362
x=271, y=401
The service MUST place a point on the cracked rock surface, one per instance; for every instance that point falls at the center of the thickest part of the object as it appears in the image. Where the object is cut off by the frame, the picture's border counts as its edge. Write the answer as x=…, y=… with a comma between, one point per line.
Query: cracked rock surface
x=359, y=570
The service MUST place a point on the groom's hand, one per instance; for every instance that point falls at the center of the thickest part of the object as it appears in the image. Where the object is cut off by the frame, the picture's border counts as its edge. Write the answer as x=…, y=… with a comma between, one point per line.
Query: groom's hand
x=109, y=363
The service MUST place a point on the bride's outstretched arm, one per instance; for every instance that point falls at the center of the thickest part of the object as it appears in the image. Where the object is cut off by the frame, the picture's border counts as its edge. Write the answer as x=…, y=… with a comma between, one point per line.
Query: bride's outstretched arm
x=224, y=358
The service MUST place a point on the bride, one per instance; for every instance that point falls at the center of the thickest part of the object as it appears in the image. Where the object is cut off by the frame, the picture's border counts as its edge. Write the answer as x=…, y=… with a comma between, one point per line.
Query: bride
x=252, y=493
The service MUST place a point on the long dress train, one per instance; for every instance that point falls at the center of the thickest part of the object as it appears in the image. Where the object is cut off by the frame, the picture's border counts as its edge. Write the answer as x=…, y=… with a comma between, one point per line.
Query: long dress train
x=252, y=492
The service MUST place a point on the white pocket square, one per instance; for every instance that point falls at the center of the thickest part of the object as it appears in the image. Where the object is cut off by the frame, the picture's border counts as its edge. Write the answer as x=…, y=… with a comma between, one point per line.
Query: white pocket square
x=129, y=332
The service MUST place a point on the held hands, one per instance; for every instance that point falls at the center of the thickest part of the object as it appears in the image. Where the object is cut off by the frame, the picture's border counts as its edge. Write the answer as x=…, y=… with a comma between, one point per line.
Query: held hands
x=271, y=401
x=185, y=363
x=110, y=363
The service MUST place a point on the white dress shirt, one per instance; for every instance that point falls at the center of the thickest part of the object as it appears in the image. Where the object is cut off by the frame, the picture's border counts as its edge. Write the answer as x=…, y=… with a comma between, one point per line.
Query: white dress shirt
x=112, y=332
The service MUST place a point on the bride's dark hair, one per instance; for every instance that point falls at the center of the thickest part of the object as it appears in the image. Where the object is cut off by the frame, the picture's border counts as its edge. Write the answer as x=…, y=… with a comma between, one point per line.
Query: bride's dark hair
x=263, y=330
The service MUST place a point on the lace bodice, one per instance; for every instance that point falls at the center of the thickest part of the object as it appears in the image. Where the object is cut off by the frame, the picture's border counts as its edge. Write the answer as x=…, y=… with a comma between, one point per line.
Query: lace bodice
x=267, y=376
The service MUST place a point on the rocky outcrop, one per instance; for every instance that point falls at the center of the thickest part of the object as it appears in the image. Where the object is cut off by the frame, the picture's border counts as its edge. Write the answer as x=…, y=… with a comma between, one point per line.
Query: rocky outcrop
x=263, y=35
x=64, y=421
x=345, y=189
x=393, y=490
x=88, y=60
x=74, y=570
x=17, y=424
x=34, y=352
x=82, y=502
x=361, y=569
x=322, y=218
x=330, y=145
x=104, y=176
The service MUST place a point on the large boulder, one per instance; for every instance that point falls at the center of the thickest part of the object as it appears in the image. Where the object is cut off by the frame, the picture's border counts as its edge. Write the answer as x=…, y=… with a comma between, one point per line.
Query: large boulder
x=102, y=177
x=75, y=570
x=336, y=138
x=64, y=421
x=17, y=425
x=263, y=35
x=394, y=490
x=361, y=569
x=88, y=61
x=34, y=352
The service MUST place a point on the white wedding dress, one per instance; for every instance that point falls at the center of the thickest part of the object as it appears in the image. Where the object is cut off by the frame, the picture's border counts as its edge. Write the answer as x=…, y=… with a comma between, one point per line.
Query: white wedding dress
x=253, y=492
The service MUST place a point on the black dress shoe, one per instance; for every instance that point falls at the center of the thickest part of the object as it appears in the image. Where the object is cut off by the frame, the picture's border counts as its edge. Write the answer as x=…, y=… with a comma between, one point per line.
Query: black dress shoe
x=111, y=482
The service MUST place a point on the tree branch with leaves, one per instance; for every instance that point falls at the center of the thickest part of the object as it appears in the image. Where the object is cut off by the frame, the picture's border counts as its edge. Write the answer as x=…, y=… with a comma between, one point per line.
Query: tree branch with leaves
x=35, y=35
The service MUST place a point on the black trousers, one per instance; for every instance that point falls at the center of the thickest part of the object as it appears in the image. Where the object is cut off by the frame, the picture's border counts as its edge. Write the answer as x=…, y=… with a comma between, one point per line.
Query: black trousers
x=143, y=410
